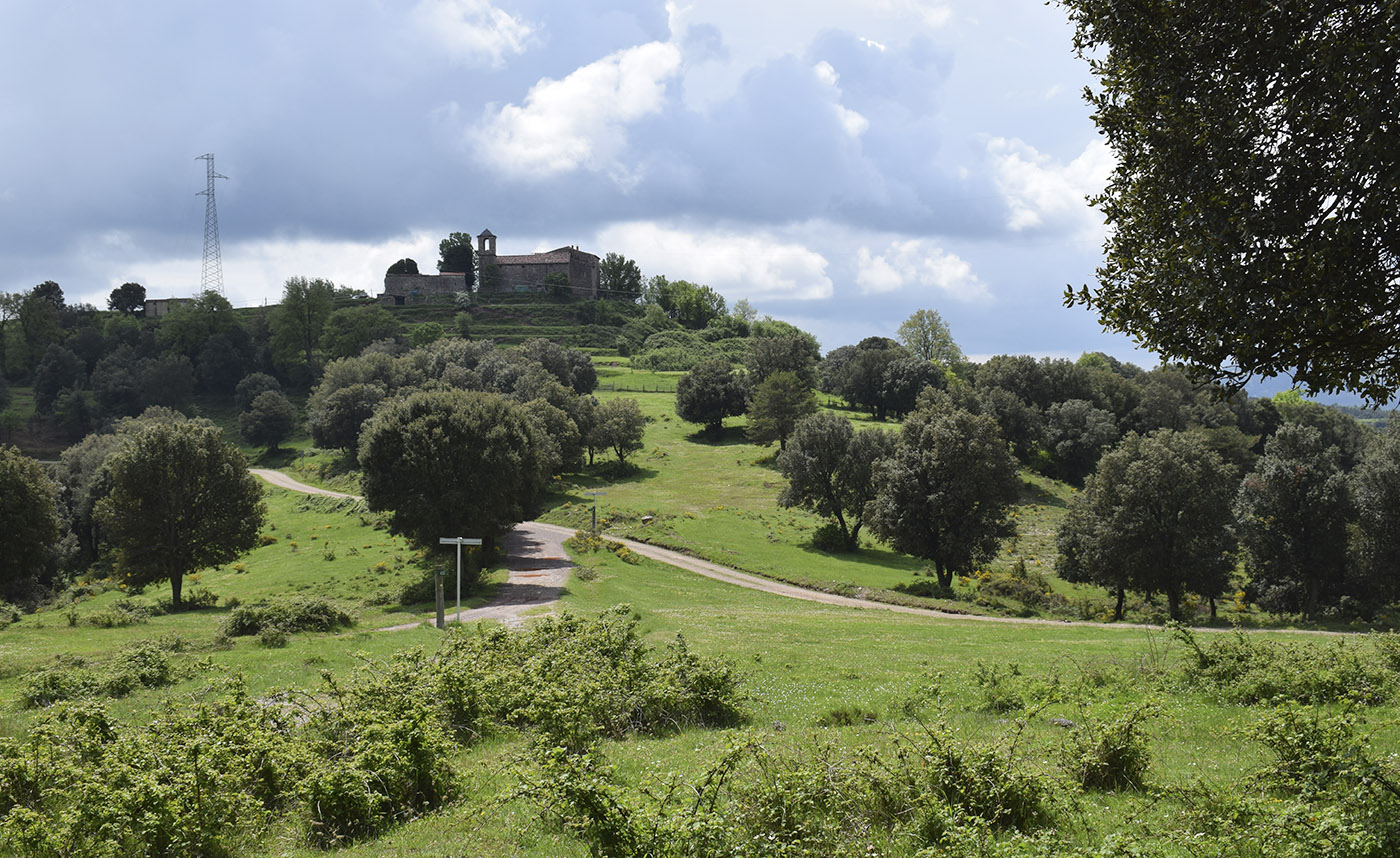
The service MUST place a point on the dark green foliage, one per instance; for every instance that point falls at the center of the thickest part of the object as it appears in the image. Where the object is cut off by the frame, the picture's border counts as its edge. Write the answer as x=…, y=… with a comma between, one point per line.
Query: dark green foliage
x=618, y=425
x=1375, y=492
x=295, y=614
x=779, y=403
x=1152, y=518
x=1291, y=515
x=334, y=416
x=297, y=323
x=167, y=380
x=129, y=298
x=1077, y=434
x=29, y=525
x=251, y=386
x=945, y=492
x=59, y=369
x=619, y=278
x=453, y=462
x=711, y=392
x=1254, y=185
x=270, y=418
x=348, y=330
x=455, y=256
x=830, y=471
x=403, y=266
x=785, y=353
x=181, y=500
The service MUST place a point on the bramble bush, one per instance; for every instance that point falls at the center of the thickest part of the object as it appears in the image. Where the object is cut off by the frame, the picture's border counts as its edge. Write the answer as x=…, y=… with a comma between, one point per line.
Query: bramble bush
x=296, y=614
x=575, y=680
x=757, y=801
x=1247, y=669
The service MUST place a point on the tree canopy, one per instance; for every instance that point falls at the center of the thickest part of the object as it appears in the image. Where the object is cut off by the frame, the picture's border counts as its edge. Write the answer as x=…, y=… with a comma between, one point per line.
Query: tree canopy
x=453, y=463
x=711, y=392
x=926, y=335
x=28, y=523
x=1154, y=518
x=1254, y=227
x=1291, y=517
x=830, y=469
x=127, y=298
x=619, y=277
x=945, y=494
x=181, y=500
x=455, y=256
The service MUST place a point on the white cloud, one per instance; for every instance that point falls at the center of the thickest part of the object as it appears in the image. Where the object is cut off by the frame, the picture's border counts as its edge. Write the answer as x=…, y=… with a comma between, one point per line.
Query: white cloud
x=1043, y=193
x=754, y=265
x=852, y=122
x=470, y=32
x=917, y=262
x=581, y=121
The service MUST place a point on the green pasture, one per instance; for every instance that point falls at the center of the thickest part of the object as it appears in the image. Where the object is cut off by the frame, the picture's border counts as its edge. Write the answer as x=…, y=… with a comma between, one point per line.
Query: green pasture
x=322, y=548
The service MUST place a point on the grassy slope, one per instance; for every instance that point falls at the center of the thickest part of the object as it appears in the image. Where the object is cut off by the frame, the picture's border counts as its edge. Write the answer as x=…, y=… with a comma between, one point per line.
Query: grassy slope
x=718, y=500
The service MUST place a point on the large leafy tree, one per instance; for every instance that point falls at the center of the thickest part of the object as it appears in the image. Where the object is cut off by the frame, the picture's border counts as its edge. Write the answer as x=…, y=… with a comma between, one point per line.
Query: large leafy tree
x=453, y=463
x=711, y=392
x=28, y=523
x=778, y=404
x=129, y=298
x=455, y=256
x=926, y=335
x=334, y=415
x=1375, y=491
x=180, y=500
x=1291, y=517
x=618, y=425
x=945, y=494
x=619, y=277
x=1254, y=226
x=1154, y=517
x=299, y=321
x=270, y=418
x=830, y=469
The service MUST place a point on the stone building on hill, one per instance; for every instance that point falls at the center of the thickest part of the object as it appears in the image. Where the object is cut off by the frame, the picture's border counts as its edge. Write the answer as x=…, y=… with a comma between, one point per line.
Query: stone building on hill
x=526, y=273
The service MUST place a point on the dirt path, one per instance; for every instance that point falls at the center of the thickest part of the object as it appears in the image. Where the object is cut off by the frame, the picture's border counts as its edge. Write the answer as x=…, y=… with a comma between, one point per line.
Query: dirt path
x=539, y=567
x=535, y=561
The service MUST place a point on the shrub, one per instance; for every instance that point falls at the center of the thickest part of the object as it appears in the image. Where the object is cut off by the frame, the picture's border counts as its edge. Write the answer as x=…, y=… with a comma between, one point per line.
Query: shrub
x=1109, y=755
x=575, y=680
x=57, y=684
x=383, y=757
x=1247, y=669
x=8, y=614
x=829, y=538
x=122, y=613
x=296, y=614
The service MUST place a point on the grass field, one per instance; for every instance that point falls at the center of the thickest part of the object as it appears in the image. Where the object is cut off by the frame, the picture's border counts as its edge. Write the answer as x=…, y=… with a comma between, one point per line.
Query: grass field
x=802, y=664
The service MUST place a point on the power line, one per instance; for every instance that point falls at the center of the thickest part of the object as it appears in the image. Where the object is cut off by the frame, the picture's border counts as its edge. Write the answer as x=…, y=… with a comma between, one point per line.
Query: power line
x=212, y=275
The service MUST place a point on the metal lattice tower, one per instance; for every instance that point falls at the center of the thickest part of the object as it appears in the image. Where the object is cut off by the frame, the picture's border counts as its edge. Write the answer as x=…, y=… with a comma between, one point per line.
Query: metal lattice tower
x=212, y=276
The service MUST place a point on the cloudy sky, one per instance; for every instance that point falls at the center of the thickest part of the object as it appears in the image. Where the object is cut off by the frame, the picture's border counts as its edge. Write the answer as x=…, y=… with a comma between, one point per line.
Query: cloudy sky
x=840, y=164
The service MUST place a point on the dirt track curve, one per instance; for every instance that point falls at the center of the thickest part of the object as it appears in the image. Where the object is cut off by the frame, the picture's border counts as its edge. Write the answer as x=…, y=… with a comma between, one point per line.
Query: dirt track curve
x=539, y=567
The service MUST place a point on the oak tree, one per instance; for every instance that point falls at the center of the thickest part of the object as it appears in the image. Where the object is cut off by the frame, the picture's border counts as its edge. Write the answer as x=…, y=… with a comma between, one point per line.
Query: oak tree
x=945, y=494
x=1252, y=205
x=180, y=500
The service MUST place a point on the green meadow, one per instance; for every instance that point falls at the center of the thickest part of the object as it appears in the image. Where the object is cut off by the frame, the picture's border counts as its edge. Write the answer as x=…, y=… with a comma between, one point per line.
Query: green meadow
x=853, y=685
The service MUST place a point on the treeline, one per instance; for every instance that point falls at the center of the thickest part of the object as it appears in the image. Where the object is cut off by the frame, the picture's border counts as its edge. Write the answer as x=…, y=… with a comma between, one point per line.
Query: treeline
x=1192, y=493
x=455, y=434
